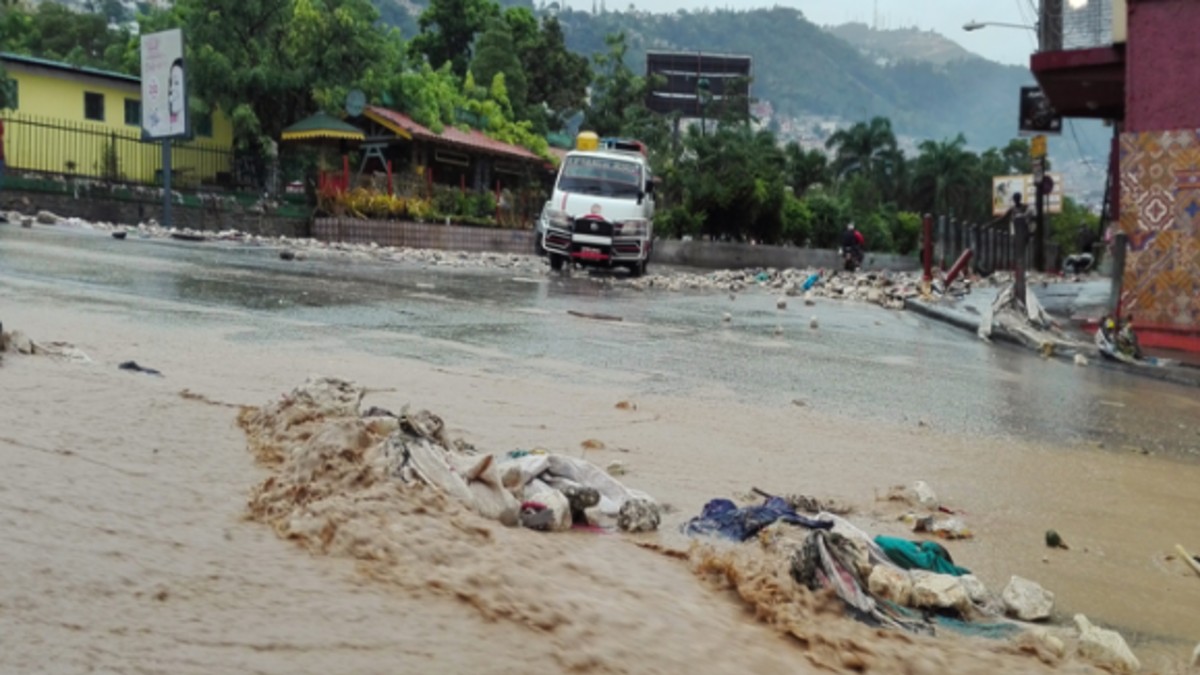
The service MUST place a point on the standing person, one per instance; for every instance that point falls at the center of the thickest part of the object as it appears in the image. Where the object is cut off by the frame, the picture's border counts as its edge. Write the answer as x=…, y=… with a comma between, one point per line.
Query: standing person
x=1017, y=213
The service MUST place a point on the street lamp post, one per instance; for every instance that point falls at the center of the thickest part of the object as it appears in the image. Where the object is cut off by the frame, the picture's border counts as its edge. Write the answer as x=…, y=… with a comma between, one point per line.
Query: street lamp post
x=980, y=25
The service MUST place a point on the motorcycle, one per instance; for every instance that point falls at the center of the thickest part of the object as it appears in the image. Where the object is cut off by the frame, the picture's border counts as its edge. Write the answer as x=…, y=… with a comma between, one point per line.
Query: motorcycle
x=852, y=258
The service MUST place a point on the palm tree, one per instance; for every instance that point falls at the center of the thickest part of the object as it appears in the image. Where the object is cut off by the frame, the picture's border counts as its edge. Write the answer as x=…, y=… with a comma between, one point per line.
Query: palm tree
x=805, y=168
x=944, y=176
x=859, y=148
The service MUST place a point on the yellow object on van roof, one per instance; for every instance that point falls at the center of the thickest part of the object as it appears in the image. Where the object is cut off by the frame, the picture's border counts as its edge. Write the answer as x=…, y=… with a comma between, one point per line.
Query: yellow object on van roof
x=587, y=141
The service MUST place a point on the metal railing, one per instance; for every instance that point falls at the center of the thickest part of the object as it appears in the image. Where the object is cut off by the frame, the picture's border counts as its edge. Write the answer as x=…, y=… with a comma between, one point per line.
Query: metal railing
x=107, y=153
x=1076, y=24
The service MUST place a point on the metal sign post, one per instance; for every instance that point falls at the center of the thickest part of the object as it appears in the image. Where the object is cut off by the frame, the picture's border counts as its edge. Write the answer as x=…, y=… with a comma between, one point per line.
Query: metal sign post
x=1039, y=237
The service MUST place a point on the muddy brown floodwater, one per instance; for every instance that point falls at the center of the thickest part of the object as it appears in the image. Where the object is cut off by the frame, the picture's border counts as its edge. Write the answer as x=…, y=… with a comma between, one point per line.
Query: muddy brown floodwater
x=127, y=545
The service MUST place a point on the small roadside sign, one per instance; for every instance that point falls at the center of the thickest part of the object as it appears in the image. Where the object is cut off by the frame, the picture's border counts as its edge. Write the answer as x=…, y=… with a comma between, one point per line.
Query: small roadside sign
x=1037, y=146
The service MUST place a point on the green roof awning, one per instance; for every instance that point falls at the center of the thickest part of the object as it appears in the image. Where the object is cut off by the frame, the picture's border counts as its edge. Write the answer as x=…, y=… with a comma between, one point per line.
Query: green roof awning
x=322, y=127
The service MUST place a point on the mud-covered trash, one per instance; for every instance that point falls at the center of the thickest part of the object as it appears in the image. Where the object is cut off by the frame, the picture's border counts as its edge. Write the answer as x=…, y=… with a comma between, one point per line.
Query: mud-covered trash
x=20, y=343
x=616, y=468
x=286, y=254
x=924, y=495
x=1105, y=647
x=945, y=528
x=639, y=515
x=323, y=447
x=549, y=511
x=1054, y=540
x=133, y=367
x=1026, y=600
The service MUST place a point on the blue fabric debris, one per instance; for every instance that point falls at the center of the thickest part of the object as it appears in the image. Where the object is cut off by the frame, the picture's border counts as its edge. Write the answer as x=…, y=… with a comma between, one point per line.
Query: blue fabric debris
x=723, y=518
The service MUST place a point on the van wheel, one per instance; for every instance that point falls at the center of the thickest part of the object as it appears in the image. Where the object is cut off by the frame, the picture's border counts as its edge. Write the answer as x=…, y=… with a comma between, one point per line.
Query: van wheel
x=637, y=269
x=556, y=262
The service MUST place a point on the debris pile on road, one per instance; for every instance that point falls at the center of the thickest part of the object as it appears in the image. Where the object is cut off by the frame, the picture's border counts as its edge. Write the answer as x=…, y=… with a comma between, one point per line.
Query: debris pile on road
x=1027, y=322
x=18, y=343
x=323, y=447
x=883, y=581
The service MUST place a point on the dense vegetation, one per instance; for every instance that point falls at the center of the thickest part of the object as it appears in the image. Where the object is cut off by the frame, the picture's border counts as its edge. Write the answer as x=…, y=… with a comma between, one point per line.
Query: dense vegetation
x=269, y=63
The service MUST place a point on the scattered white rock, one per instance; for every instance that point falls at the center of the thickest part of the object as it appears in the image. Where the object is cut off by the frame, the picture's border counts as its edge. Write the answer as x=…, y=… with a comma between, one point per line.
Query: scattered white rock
x=1105, y=647
x=1196, y=657
x=1026, y=600
x=727, y=317
x=938, y=591
x=616, y=468
x=976, y=590
x=813, y=323
x=1081, y=360
x=891, y=583
x=47, y=218
x=778, y=331
x=781, y=303
x=1051, y=643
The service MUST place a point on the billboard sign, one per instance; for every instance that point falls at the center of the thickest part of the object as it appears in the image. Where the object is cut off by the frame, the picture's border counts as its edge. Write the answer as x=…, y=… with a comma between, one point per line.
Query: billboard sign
x=1004, y=187
x=1037, y=115
x=698, y=85
x=164, y=86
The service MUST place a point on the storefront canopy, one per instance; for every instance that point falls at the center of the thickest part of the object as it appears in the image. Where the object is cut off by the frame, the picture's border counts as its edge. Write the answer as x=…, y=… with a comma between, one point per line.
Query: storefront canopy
x=322, y=127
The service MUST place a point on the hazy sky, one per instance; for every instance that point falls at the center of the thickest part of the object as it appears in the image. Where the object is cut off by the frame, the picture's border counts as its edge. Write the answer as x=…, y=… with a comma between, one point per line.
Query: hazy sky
x=1007, y=45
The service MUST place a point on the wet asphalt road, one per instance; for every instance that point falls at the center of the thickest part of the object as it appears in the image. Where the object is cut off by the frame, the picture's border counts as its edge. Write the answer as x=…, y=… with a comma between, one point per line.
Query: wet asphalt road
x=863, y=362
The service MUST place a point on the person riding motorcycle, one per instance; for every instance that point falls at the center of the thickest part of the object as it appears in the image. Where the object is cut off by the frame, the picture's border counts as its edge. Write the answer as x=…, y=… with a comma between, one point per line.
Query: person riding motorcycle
x=853, y=244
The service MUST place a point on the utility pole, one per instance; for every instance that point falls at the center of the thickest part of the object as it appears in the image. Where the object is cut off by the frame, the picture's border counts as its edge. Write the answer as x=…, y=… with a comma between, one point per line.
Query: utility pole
x=1037, y=149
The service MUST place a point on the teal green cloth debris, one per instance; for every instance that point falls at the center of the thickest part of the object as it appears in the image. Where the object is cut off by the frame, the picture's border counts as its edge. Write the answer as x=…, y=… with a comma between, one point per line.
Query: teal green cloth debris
x=923, y=555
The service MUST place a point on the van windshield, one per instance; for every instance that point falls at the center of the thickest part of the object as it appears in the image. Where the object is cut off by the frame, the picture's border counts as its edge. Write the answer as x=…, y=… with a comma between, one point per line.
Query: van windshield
x=602, y=176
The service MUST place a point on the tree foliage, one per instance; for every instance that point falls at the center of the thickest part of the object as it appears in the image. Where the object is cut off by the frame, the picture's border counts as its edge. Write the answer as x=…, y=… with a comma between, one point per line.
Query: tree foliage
x=448, y=30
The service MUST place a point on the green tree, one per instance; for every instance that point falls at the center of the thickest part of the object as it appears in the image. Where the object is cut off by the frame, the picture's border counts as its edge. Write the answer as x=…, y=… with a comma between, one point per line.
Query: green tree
x=558, y=78
x=1064, y=227
x=448, y=29
x=862, y=147
x=495, y=54
x=946, y=178
x=830, y=215
x=805, y=168
x=269, y=63
x=618, y=94
x=52, y=31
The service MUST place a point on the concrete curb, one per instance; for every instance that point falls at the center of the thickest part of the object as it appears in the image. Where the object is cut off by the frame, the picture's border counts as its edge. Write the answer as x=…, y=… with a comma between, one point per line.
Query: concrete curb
x=1184, y=376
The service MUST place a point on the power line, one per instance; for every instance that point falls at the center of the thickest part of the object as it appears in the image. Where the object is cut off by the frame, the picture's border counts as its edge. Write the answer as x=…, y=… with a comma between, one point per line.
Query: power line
x=1079, y=152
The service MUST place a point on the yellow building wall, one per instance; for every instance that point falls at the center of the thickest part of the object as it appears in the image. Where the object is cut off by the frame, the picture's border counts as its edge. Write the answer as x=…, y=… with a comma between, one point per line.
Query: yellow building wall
x=49, y=132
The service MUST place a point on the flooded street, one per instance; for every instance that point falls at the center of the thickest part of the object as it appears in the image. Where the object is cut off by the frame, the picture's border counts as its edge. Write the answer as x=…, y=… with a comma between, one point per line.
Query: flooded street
x=123, y=503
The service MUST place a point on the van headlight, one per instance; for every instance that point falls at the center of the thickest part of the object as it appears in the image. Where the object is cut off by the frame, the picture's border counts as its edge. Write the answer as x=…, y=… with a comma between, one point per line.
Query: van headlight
x=559, y=219
x=634, y=227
